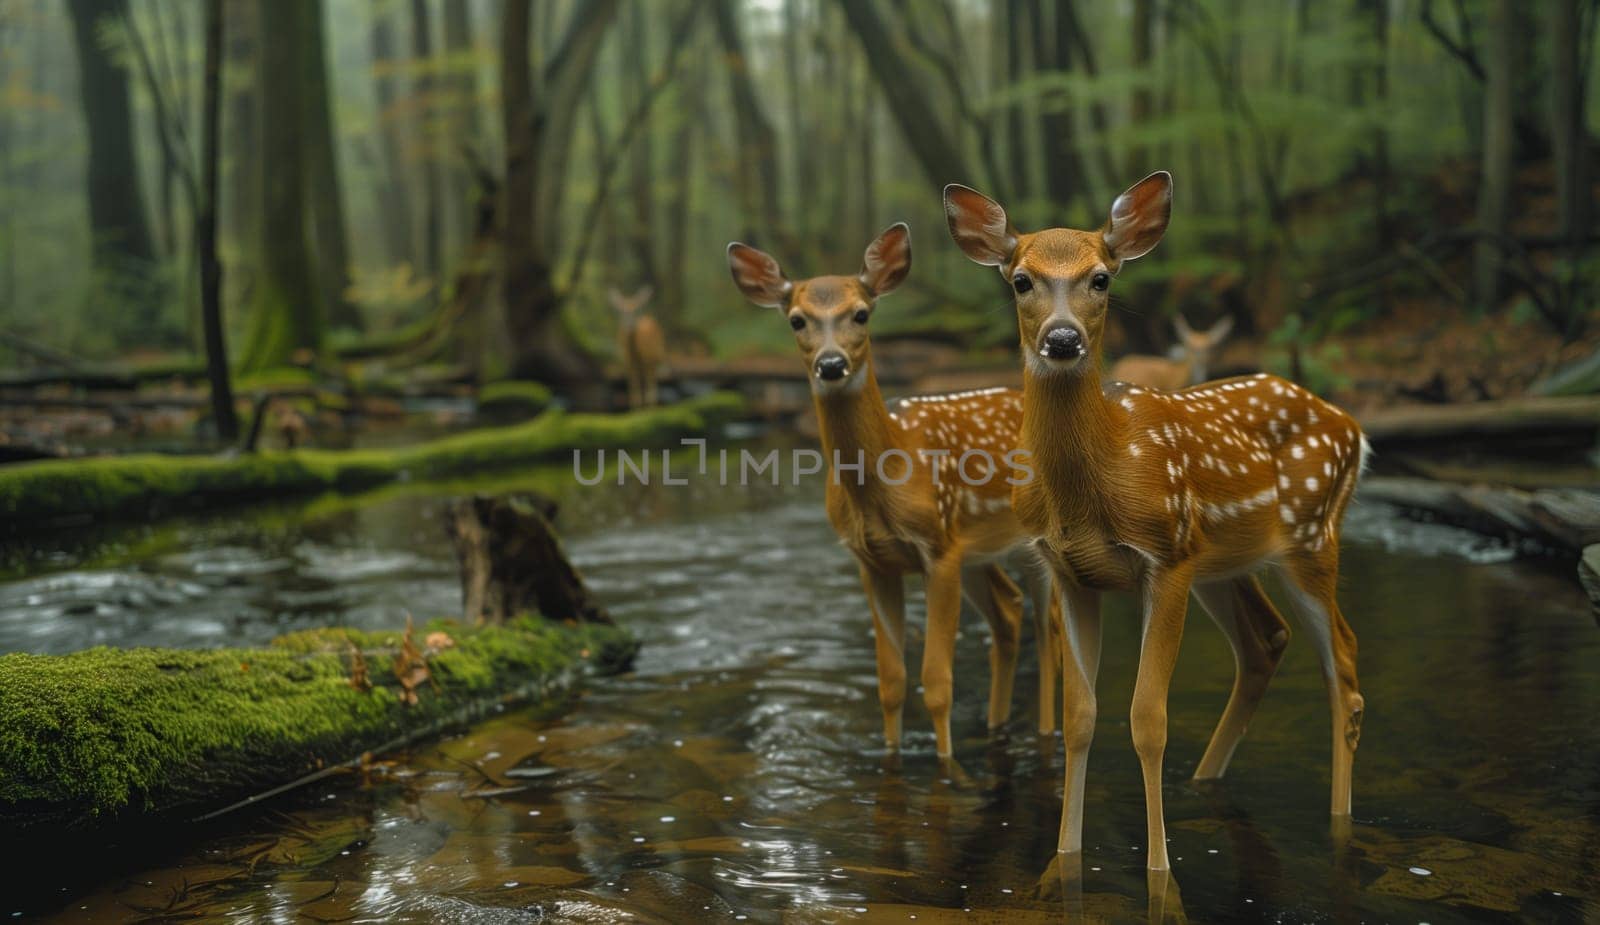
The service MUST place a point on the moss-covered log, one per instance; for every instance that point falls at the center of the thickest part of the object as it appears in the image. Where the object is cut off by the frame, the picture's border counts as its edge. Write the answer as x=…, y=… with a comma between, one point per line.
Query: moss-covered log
x=36, y=494
x=121, y=735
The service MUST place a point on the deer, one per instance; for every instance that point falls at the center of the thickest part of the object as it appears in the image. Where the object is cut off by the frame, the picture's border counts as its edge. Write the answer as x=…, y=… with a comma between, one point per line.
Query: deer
x=640, y=343
x=1195, y=350
x=1164, y=492
x=912, y=508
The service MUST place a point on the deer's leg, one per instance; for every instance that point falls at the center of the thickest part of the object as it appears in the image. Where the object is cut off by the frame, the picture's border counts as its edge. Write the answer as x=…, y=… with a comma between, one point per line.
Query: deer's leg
x=886, y=596
x=652, y=387
x=635, y=390
x=938, y=655
x=1259, y=637
x=1313, y=577
x=997, y=597
x=1047, y=635
x=1166, y=604
x=1080, y=665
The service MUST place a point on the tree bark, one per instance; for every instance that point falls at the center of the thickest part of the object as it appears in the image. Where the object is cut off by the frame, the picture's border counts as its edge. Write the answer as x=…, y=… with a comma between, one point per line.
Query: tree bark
x=124, y=257
x=1494, y=183
x=393, y=199
x=935, y=150
x=1569, y=134
x=538, y=141
x=322, y=168
x=427, y=129
x=642, y=226
x=205, y=235
x=464, y=123
x=287, y=311
x=757, y=166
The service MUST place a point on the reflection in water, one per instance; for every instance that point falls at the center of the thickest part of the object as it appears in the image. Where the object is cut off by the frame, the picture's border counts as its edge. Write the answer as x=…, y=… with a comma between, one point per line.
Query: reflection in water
x=738, y=771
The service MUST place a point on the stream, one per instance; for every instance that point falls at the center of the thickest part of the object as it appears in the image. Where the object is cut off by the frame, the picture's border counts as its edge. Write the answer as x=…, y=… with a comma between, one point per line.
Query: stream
x=737, y=774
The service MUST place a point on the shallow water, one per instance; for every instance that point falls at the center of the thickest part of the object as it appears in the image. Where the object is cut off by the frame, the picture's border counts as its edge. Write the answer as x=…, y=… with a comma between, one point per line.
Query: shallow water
x=737, y=772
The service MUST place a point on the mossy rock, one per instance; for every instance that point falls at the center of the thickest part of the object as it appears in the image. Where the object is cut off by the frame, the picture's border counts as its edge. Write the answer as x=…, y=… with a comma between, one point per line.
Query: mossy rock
x=108, y=735
x=36, y=494
x=512, y=398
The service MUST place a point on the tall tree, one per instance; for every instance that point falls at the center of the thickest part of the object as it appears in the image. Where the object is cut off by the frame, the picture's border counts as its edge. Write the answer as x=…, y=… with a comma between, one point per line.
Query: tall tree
x=928, y=140
x=636, y=79
x=286, y=313
x=757, y=166
x=1494, y=181
x=205, y=232
x=427, y=161
x=1570, y=138
x=538, y=138
x=322, y=169
x=463, y=123
x=124, y=256
x=393, y=197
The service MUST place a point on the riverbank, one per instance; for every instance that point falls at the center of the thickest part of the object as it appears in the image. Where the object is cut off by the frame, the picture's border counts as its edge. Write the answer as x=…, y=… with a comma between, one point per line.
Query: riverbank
x=39, y=494
x=121, y=735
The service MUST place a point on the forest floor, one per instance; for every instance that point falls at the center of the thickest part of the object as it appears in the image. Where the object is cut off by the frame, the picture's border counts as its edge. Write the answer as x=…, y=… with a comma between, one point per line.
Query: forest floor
x=1422, y=352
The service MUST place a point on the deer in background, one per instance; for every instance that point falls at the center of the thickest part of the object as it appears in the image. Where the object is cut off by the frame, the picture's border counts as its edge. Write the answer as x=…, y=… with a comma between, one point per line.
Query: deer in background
x=902, y=514
x=1164, y=492
x=641, y=345
x=1191, y=365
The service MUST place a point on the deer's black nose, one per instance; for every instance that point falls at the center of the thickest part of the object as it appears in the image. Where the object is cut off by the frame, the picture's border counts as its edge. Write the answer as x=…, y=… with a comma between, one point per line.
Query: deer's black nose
x=1063, y=343
x=832, y=366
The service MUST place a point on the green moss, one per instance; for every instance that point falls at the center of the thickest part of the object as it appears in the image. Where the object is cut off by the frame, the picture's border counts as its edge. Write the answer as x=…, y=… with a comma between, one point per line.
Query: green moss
x=514, y=397
x=34, y=494
x=276, y=379
x=113, y=733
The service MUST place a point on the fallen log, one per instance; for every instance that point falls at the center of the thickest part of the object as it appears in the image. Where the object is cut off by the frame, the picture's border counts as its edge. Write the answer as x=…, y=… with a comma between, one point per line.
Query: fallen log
x=1516, y=426
x=36, y=495
x=1564, y=520
x=512, y=561
x=110, y=736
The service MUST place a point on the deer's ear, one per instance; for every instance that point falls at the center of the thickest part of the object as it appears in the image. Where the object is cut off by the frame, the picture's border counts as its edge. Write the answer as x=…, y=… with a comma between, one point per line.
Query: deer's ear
x=1139, y=217
x=758, y=276
x=1220, y=331
x=979, y=226
x=887, y=261
x=619, y=303
x=642, y=298
x=1180, y=325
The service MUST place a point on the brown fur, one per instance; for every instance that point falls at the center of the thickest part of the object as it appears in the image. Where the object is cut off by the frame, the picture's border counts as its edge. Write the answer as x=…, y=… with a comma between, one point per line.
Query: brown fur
x=1163, y=491
x=950, y=532
x=640, y=344
x=1197, y=348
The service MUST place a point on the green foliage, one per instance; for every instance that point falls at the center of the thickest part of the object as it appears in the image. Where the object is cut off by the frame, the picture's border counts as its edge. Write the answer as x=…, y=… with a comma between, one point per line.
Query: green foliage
x=109, y=733
x=120, y=486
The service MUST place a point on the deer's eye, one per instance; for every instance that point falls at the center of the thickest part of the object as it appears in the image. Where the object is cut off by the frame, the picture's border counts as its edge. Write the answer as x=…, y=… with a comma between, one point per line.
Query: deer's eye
x=1100, y=282
x=1021, y=283
x=797, y=321
x=861, y=316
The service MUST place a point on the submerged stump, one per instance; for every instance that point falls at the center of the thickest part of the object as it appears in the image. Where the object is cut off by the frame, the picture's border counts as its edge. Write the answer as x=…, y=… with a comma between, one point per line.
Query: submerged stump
x=512, y=562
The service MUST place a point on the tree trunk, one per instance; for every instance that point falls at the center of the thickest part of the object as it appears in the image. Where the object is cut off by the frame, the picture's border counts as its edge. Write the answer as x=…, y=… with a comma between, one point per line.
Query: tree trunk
x=124, y=256
x=205, y=234
x=1052, y=52
x=243, y=131
x=322, y=166
x=393, y=199
x=465, y=126
x=1142, y=107
x=935, y=150
x=512, y=563
x=803, y=182
x=1569, y=135
x=758, y=142
x=642, y=225
x=541, y=348
x=286, y=311
x=1494, y=184
x=427, y=129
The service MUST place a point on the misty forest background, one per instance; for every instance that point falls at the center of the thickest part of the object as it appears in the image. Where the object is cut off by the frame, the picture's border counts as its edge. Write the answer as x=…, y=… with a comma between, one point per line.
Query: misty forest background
x=416, y=185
